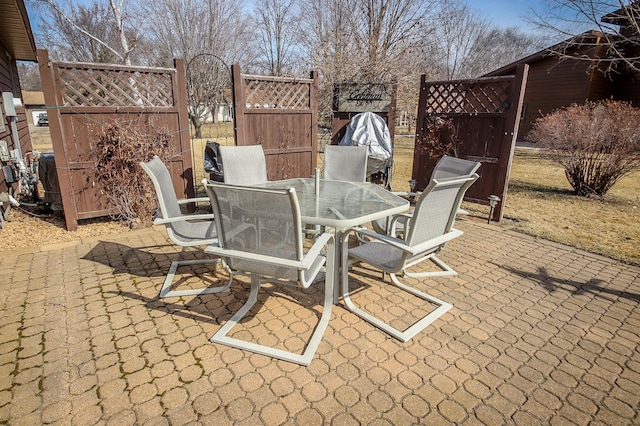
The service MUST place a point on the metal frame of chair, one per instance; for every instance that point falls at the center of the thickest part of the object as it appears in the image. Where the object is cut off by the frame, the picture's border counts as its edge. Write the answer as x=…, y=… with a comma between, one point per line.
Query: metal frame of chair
x=430, y=228
x=240, y=211
x=183, y=230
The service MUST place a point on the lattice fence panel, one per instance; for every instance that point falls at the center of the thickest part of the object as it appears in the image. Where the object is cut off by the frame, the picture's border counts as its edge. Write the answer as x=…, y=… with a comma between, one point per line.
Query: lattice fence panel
x=119, y=88
x=267, y=94
x=489, y=97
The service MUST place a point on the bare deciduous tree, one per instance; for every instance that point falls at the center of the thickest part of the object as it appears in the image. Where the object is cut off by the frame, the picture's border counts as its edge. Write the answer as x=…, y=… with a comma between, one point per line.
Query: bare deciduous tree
x=328, y=40
x=366, y=41
x=499, y=47
x=457, y=37
x=618, y=23
x=469, y=45
x=29, y=76
x=208, y=77
x=209, y=35
x=276, y=43
x=388, y=30
x=98, y=32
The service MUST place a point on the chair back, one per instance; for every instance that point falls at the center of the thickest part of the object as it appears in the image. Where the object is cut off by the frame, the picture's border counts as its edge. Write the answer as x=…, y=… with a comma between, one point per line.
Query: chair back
x=346, y=163
x=436, y=209
x=258, y=221
x=243, y=165
x=181, y=232
x=448, y=167
x=167, y=198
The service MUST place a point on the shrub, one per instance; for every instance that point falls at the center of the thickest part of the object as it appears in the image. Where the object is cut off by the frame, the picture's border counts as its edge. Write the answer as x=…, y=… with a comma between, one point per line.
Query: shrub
x=439, y=138
x=597, y=143
x=120, y=147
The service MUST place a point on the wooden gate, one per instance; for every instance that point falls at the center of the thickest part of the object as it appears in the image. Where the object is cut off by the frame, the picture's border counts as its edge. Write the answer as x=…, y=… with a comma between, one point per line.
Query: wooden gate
x=281, y=114
x=81, y=97
x=485, y=114
x=350, y=99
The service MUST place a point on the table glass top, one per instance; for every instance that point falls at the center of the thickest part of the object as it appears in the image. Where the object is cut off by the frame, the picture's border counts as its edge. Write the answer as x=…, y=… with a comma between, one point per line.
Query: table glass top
x=341, y=203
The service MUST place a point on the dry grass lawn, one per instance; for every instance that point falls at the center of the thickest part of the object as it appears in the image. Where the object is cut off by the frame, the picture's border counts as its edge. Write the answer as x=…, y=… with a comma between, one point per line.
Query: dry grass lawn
x=539, y=203
x=542, y=201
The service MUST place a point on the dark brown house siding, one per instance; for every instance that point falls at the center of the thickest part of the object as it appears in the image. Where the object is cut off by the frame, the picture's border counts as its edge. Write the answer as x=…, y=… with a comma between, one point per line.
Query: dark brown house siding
x=627, y=89
x=16, y=43
x=555, y=84
x=9, y=83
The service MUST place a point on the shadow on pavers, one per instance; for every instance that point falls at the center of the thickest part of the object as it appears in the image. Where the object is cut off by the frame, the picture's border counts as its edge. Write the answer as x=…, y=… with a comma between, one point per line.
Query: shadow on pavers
x=594, y=286
x=211, y=308
x=145, y=262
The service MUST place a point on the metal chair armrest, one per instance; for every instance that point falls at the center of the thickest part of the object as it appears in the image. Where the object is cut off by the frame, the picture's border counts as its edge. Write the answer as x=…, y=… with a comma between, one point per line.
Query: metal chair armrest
x=394, y=221
x=435, y=242
x=395, y=242
x=193, y=200
x=406, y=194
x=319, y=243
x=162, y=221
x=305, y=263
x=399, y=244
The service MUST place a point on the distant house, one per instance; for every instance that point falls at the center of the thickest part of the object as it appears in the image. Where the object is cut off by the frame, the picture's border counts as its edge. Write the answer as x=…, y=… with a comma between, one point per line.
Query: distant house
x=34, y=105
x=224, y=109
x=556, y=82
x=16, y=44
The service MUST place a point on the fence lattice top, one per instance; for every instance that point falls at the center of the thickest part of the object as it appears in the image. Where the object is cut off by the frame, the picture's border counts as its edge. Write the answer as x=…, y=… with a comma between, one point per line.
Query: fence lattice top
x=116, y=87
x=481, y=97
x=277, y=93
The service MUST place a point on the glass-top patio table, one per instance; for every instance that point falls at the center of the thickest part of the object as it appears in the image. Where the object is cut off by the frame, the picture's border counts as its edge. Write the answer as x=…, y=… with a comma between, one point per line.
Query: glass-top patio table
x=341, y=205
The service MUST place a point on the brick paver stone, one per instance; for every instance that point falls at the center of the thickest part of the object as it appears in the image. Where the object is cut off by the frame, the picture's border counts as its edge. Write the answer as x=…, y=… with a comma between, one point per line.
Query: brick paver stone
x=540, y=333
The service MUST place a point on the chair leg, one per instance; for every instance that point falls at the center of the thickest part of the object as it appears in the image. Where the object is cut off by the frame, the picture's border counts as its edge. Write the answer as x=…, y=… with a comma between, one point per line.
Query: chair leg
x=166, y=291
x=402, y=335
x=446, y=270
x=303, y=359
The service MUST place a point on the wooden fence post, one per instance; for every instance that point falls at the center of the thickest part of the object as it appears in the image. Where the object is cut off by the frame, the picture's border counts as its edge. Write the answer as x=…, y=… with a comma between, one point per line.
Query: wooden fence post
x=516, y=93
x=63, y=170
x=237, y=83
x=180, y=86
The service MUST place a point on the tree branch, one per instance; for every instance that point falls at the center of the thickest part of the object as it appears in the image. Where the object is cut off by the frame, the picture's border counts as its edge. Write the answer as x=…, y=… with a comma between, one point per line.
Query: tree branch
x=55, y=7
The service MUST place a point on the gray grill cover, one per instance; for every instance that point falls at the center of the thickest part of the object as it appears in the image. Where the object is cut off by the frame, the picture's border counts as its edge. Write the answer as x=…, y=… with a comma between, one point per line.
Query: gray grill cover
x=370, y=130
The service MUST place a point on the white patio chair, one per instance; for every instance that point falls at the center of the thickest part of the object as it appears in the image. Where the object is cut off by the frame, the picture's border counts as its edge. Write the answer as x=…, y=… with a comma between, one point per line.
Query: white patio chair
x=243, y=165
x=348, y=163
x=430, y=227
x=183, y=230
x=273, y=253
x=447, y=167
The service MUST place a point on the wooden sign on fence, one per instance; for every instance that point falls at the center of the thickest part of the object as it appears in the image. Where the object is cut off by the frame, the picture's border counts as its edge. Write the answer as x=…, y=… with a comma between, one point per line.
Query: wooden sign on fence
x=359, y=97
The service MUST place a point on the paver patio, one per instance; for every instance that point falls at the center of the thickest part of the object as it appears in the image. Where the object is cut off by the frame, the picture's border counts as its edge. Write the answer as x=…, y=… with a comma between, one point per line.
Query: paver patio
x=540, y=333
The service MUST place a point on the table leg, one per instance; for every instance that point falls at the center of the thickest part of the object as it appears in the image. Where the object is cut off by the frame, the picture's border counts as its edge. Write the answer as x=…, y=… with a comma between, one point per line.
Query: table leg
x=337, y=265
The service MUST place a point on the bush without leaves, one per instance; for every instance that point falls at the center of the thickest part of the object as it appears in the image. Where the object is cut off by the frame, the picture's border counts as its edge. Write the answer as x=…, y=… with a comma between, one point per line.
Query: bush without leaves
x=597, y=143
x=439, y=138
x=119, y=150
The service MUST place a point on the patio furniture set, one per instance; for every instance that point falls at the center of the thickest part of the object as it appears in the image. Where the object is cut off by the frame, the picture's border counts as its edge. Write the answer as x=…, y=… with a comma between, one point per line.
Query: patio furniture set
x=261, y=229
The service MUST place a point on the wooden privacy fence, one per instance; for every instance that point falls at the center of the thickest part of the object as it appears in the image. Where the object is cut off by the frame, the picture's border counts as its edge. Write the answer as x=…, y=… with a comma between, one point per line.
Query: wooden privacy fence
x=281, y=114
x=83, y=97
x=484, y=114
